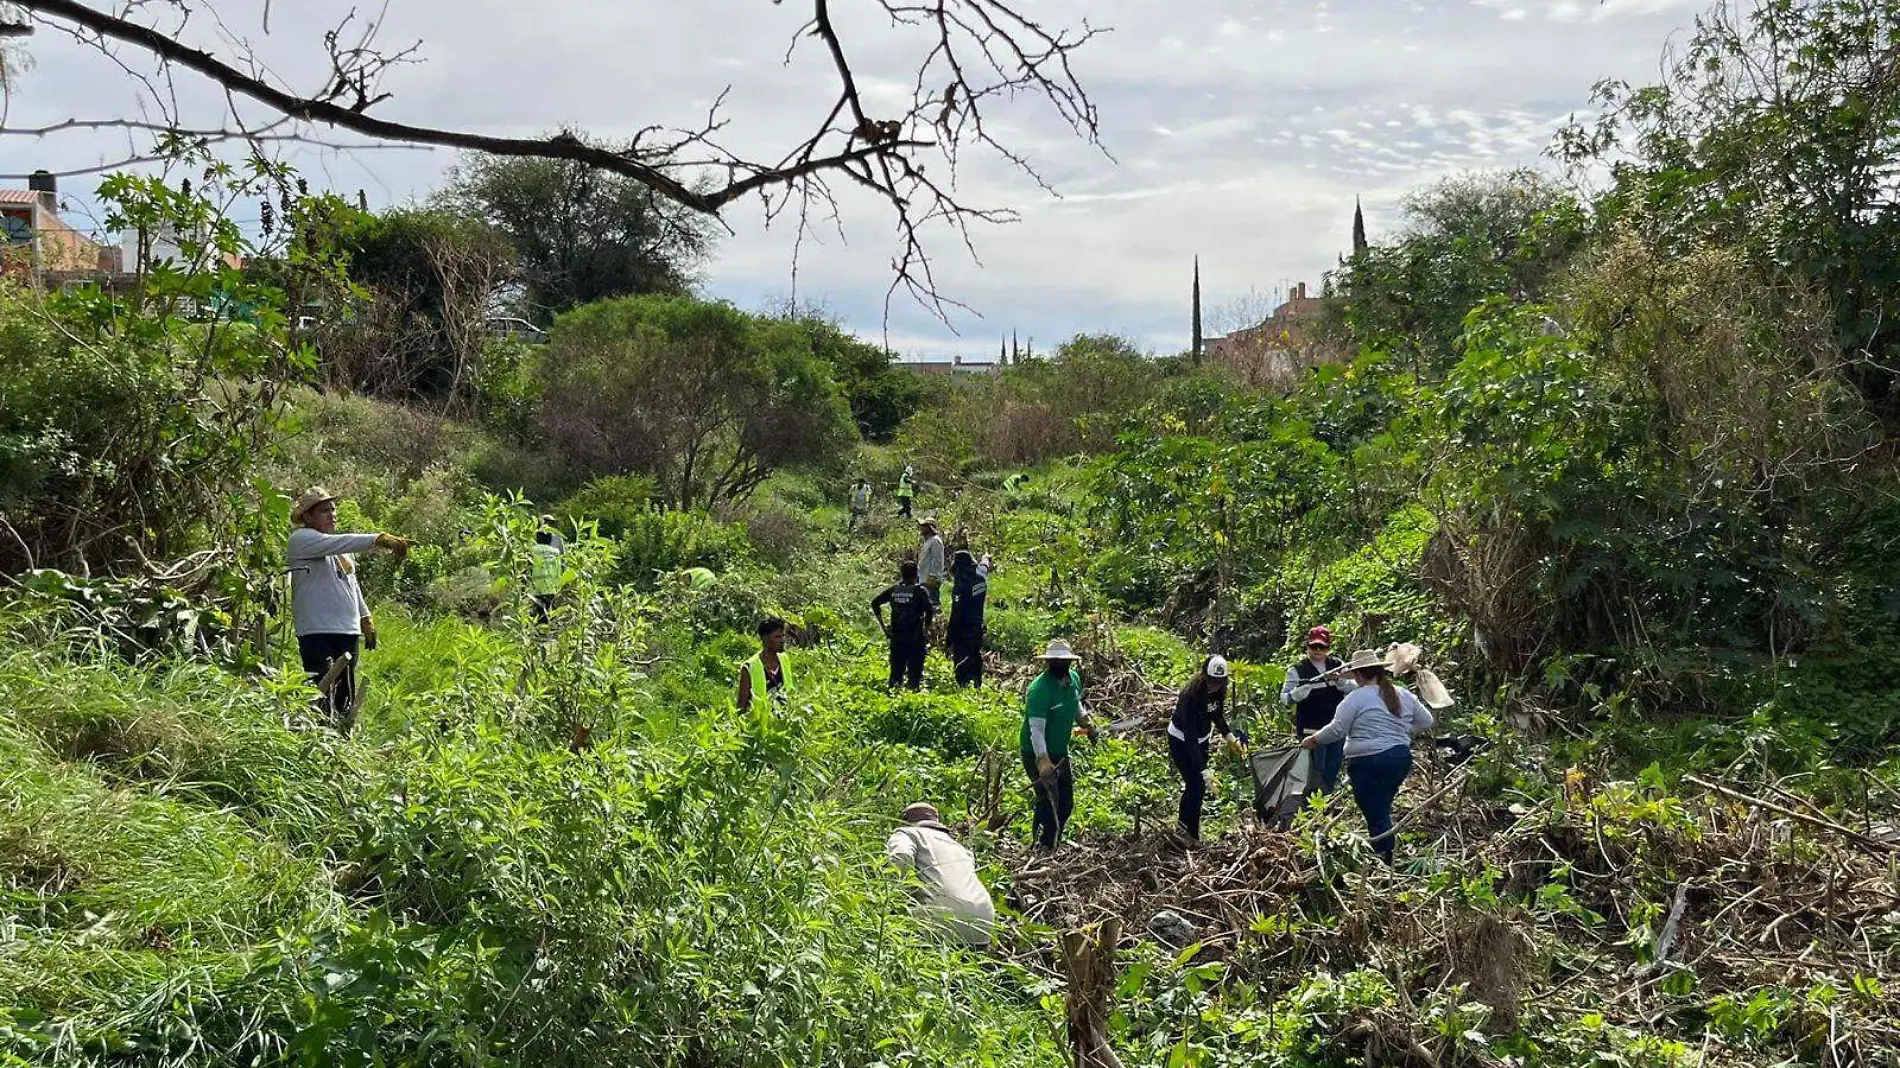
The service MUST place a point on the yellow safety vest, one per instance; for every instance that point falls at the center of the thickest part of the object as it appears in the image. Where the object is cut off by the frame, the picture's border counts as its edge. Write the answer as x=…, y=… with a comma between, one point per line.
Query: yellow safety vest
x=545, y=573
x=756, y=668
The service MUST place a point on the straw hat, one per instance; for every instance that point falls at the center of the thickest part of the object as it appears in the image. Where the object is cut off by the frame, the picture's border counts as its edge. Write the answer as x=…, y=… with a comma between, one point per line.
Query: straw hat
x=312, y=497
x=1368, y=658
x=921, y=812
x=1058, y=650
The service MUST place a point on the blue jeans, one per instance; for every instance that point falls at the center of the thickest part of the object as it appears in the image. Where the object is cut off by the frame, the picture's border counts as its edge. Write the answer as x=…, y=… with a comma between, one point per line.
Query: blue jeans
x=1327, y=760
x=1375, y=783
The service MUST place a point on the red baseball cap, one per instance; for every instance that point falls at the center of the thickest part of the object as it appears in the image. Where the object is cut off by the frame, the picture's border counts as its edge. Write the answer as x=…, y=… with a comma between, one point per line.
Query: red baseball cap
x=1319, y=636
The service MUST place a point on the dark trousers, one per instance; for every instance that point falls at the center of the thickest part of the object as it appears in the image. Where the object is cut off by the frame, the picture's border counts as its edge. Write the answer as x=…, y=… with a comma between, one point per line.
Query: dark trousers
x=903, y=506
x=1190, y=759
x=1055, y=801
x=318, y=651
x=543, y=606
x=1375, y=783
x=1327, y=760
x=966, y=653
x=907, y=662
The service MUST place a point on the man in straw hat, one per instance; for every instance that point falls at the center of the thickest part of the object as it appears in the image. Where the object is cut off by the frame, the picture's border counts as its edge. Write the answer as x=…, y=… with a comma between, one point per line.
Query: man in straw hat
x=947, y=891
x=326, y=601
x=1051, y=712
x=1376, y=721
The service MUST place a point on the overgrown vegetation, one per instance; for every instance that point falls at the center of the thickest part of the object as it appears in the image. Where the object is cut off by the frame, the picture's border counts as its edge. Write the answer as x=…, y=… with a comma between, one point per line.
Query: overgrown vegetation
x=1627, y=479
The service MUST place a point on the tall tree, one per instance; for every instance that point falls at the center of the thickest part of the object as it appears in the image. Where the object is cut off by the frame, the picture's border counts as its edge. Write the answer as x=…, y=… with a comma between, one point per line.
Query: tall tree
x=1197, y=309
x=699, y=395
x=580, y=234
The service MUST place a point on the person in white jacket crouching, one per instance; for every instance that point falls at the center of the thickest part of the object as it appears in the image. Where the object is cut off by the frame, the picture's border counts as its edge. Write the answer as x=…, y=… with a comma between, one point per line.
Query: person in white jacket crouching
x=947, y=891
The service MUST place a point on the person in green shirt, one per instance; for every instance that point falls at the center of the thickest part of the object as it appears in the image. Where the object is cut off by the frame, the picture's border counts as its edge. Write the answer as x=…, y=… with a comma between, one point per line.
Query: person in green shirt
x=1051, y=713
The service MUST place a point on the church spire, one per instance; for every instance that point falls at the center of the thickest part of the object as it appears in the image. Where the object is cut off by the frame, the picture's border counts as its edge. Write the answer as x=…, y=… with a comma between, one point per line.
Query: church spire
x=1358, y=227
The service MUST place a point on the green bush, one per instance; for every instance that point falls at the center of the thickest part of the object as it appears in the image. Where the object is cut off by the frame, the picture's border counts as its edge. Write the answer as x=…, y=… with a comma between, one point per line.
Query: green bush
x=659, y=541
x=617, y=503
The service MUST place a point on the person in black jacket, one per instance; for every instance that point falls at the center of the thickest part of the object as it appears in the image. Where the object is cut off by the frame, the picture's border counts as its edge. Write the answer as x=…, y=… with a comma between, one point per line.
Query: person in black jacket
x=1314, y=687
x=969, y=592
x=1198, y=713
x=909, y=626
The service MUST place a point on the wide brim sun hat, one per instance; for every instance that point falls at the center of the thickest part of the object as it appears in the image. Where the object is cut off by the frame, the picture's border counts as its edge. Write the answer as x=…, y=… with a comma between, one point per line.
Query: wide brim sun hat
x=1058, y=649
x=1368, y=658
x=310, y=498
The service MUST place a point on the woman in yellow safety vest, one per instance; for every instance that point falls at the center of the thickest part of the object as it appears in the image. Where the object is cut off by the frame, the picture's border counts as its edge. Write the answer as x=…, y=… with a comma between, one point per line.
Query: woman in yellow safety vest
x=770, y=672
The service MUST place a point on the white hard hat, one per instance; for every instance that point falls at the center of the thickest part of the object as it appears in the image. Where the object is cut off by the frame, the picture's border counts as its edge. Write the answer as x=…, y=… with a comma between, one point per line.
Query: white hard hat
x=1216, y=667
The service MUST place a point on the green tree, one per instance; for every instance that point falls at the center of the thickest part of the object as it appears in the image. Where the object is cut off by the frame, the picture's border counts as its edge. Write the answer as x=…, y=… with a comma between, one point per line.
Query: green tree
x=699, y=395
x=1775, y=130
x=579, y=234
x=1463, y=240
x=431, y=279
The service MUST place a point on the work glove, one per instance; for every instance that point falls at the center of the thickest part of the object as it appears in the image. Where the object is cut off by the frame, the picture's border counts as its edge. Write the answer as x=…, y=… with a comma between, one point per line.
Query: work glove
x=1236, y=746
x=1241, y=734
x=398, y=547
x=1301, y=693
x=1343, y=684
x=1208, y=780
x=369, y=635
x=1045, y=769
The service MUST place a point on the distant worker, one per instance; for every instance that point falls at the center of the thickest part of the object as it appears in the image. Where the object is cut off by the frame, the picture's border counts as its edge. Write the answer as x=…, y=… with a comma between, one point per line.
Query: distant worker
x=1051, y=712
x=906, y=491
x=770, y=672
x=909, y=626
x=1376, y=722
x=1314, y=687
x=860, y=504
x=326, y=601
x=948, y=892
x=969, y=594
x=931, y=567
x=1198, y=713
x=699, y=578
x=545, y=570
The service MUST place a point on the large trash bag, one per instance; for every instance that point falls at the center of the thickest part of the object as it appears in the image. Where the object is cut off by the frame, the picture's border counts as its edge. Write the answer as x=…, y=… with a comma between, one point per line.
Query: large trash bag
x=1281, y=778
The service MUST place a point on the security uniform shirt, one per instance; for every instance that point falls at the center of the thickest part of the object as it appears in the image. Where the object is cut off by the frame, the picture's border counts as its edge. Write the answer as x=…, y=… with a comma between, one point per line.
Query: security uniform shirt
x=911, y=610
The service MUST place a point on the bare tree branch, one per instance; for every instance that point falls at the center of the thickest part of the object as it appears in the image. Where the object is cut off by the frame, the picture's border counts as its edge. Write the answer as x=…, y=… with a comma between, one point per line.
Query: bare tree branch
x=984, y=52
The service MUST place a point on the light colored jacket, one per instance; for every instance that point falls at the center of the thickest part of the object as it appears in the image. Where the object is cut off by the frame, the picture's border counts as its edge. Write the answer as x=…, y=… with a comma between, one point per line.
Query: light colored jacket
x=1367, y=727
x=949, y=892
x=930, y=563
x=325, y=597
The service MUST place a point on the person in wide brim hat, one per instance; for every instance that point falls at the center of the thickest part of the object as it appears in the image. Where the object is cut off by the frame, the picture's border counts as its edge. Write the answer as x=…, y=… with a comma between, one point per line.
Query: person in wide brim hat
x=1377, y=722
x=1052, y=711
x=331, y=617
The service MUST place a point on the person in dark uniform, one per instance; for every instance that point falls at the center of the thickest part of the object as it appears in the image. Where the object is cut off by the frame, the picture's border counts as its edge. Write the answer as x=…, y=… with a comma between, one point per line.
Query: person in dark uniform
x=969, y=592
x=1198, y=713
x=909, y=626
x=1314, y=687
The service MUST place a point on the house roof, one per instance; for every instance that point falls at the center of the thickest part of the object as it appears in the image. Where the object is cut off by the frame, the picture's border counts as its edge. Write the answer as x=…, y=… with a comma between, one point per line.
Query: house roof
x=19, y=196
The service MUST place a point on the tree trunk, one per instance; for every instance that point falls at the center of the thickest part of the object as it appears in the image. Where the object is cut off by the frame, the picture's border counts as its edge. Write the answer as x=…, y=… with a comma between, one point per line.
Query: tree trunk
x=1089, y=957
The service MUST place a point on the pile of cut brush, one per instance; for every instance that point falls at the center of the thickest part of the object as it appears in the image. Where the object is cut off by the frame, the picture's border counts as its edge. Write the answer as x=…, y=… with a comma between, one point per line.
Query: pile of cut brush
x=1619, y=903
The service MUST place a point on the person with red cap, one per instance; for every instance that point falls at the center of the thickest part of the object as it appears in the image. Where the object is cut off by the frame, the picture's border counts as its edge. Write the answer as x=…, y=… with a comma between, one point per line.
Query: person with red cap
x=1314, y=687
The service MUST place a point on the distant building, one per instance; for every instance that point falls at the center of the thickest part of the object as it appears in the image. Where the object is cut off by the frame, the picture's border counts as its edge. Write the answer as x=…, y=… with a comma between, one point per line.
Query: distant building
x=35, y=241
x=1280, y=347
x=955, y=367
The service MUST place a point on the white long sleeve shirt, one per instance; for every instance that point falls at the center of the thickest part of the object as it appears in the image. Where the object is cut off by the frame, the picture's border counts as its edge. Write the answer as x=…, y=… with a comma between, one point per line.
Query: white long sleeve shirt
x=325, y=597
x=951, y=893
x=1367, y=727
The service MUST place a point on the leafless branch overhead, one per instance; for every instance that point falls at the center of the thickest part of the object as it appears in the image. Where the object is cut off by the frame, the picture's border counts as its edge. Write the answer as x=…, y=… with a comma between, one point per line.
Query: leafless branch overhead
x=975, y=55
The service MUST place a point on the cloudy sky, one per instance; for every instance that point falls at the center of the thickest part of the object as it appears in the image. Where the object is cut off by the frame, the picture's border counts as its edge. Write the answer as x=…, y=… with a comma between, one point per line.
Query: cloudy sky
x=1236, y=130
